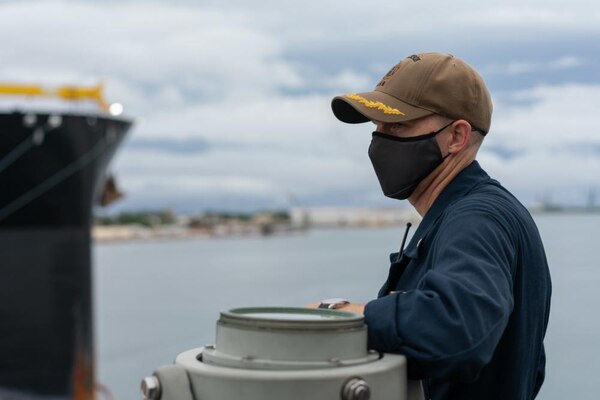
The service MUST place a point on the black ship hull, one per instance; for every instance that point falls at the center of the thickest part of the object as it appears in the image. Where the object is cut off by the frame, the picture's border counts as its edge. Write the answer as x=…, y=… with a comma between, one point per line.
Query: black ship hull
x=52, y=167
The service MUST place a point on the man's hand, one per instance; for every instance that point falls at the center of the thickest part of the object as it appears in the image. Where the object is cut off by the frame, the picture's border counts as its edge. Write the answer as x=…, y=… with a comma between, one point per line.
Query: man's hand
x=355, y=308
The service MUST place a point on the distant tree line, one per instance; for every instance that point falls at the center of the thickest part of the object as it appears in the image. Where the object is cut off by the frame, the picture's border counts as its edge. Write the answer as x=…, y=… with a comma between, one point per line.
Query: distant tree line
x=146, y=218
x=212, y=218
x=207, y=219
x=277, y=215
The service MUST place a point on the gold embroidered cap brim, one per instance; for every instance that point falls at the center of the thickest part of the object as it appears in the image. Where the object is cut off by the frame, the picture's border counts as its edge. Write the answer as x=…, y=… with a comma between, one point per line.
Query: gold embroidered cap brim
x=355, y=108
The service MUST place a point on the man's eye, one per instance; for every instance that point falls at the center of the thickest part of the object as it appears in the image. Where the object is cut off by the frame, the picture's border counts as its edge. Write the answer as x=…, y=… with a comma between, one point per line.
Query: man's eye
x=397, y=127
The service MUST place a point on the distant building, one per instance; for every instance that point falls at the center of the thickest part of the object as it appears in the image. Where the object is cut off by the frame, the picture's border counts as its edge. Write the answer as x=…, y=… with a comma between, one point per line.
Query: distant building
x=351, y=216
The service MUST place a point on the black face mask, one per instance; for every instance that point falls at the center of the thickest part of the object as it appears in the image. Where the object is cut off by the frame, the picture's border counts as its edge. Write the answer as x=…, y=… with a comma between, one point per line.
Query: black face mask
x=402, y=163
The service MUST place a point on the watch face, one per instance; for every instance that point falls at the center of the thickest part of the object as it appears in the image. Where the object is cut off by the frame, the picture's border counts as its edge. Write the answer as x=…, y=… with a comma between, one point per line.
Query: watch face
x=333, y=303
x=336, y=300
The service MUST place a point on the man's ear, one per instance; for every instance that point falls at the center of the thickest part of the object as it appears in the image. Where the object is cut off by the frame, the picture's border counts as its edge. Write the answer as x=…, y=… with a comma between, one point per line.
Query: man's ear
x=460, y=133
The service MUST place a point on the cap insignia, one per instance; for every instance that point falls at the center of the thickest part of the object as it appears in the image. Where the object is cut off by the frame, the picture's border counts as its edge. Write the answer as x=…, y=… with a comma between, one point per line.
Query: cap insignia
x=375, y=104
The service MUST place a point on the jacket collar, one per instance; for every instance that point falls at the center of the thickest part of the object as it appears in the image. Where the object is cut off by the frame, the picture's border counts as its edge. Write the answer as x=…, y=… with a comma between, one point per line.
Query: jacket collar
x=462, y=184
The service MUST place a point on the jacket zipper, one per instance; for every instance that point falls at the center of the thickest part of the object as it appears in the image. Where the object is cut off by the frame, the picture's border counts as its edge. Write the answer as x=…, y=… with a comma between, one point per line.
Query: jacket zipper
x=426, y=389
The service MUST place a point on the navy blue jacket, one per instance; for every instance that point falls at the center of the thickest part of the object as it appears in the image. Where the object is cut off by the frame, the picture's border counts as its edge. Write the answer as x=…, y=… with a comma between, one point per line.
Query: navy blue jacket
x=468, y=301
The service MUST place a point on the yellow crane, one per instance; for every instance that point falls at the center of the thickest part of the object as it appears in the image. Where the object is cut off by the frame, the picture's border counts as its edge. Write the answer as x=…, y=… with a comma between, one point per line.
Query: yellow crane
x=63, y=92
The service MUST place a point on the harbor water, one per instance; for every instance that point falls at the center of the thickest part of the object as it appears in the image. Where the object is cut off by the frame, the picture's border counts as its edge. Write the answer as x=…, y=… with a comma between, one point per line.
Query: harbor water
x=153, y=300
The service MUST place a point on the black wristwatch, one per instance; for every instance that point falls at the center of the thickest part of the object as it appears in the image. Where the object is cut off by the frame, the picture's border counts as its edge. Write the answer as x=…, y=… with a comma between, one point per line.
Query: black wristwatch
x=333, y=304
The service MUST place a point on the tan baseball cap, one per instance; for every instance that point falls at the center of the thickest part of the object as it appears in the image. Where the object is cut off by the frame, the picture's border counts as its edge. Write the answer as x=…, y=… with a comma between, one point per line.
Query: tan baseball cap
x=420, y=85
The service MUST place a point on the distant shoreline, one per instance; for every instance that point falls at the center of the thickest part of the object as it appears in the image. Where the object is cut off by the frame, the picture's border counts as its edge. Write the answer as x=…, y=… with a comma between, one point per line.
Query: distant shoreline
x=135, y=233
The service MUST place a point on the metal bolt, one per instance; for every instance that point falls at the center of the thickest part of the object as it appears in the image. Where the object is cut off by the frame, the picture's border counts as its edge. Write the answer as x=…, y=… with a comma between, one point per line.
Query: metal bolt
x=54, y=121
x=29, y=120
x=356, y=389
x=150, y=388
x=209, y=347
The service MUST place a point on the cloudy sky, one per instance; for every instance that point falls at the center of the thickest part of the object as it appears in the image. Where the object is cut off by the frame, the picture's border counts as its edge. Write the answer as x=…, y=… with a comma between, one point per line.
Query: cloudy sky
x=231, y=98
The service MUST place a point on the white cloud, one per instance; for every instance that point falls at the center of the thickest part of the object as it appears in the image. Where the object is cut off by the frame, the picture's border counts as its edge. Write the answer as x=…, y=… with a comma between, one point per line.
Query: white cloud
x=203, y=51
x=348, y=80
x=222, y=73
x=321, y=157
x=524, y=67
x=566, y=63
x=272, y=177
x=553, y=140
x=554, y=118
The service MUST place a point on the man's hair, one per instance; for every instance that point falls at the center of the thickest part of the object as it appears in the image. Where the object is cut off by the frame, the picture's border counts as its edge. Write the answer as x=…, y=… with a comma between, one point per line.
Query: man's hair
x=476, y=135
x=476, y=138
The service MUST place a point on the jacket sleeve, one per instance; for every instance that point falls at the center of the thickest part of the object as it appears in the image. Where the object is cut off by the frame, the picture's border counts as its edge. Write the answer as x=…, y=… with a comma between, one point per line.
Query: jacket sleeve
x=449, y=326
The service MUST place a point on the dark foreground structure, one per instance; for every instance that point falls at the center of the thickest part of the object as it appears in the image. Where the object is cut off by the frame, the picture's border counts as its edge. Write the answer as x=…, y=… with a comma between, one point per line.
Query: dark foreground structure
x=52, y=172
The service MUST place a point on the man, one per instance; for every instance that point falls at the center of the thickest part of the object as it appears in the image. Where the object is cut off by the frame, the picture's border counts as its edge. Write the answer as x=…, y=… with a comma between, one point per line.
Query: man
x=467, y=301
